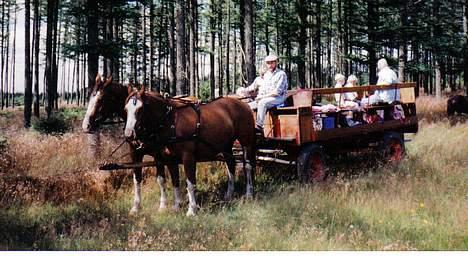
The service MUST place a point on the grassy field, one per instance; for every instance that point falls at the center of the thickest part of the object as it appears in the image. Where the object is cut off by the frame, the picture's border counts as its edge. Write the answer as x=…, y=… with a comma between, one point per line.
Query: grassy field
x=53, y=199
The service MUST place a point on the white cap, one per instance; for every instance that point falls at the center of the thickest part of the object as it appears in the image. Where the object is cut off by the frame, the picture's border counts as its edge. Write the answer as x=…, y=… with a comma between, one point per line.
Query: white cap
x=339, y=77
x=381, y=64
x=352, y=78
x=271, y=57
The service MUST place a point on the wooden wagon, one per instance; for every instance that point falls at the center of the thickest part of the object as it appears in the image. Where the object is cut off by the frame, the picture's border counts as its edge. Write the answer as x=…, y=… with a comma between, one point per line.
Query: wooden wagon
x=294, y=135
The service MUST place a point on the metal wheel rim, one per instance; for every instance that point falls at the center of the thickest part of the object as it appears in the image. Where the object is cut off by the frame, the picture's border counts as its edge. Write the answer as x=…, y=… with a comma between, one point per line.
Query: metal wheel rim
x=395, y=151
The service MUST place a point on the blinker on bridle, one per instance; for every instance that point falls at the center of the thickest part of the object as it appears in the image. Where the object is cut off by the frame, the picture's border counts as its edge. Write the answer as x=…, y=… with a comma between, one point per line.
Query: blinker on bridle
x=134, y=100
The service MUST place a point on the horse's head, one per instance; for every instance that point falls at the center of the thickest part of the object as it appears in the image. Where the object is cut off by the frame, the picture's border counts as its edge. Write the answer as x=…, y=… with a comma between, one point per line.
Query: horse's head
x=101, y=103
x=141, y=106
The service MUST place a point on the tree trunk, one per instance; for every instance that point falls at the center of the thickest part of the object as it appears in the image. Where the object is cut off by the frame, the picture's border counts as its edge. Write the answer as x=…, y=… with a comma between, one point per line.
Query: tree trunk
x=152, y=46
x=13, y=63
x=181, y=65
x=401, y=62
x=143, y=39
x=55, y=54
x=172, y=58
x=242, y=41
x=220, y=48
x=7, y=57
x=438, y=87
x=249, y=41
x=212, y=51
x=227, y=37
x=37, y=25
x=193, y=39
x=49, y=60
x=465, y=52
x=318, y=45
x=372, y=21
x=93, y=55
x=2, y=56
x=302, y=12
x=27, y=67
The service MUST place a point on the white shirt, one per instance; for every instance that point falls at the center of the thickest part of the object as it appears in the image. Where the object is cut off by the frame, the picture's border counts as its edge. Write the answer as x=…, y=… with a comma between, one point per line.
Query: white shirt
x=274, y=82
x=386, y=77
x=338, y=97
x=345, y=96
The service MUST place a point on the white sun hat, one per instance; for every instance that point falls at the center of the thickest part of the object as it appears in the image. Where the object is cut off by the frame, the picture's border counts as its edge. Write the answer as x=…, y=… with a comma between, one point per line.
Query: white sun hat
x=271, y=57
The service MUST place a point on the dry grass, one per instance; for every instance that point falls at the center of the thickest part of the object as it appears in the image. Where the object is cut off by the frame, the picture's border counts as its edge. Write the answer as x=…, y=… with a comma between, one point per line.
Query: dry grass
x=419, y=205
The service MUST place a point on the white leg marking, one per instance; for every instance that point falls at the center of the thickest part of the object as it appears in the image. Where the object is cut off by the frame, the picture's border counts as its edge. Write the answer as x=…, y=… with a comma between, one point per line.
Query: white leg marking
x=192, y=209
x=249, y=189
x=230, y=189
x=177, y=199
x=137, y=196
x=162, y=188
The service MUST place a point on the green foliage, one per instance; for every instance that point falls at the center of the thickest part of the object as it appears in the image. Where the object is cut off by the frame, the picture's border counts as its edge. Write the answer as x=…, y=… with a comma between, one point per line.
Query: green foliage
x=55, y=125
x=204, y=93
x=3, y=143
x=72, y=113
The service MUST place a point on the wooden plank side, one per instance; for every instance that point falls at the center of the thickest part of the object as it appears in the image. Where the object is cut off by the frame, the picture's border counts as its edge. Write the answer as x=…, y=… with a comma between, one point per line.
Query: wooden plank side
x=407, y=95
x=305, y=126
x=289, y=126
x=364, y=129
x=323, y=91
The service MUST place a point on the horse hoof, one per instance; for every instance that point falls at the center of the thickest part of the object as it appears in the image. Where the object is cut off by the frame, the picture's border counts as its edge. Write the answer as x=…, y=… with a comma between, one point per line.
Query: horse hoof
x=162, y=208
x=191, y=212
x=134, y=211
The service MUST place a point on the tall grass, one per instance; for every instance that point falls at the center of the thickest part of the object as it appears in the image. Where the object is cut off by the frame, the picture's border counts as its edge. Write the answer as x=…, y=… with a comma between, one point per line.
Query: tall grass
x=420, y=204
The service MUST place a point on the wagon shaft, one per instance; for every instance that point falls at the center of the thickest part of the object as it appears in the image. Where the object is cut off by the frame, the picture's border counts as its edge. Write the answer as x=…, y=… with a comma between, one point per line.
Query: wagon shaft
x=120, y=166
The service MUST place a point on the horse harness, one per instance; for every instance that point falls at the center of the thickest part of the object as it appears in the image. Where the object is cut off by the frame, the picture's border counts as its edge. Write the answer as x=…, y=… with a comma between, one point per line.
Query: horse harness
x=153, y=135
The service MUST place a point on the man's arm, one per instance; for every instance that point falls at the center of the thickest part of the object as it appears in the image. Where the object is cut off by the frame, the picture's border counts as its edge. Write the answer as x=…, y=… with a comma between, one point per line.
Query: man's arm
x=281, y=86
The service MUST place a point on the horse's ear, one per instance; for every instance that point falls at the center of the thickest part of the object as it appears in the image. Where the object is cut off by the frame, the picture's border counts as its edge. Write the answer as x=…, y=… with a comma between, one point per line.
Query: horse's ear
x=108, y=81
x=129, y=88
x=98, y=78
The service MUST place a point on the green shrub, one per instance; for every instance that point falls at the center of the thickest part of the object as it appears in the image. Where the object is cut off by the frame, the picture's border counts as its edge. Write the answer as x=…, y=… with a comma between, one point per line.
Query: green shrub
x=55, y=125
x=72, y=113
x=205, y=91
x=3, y=143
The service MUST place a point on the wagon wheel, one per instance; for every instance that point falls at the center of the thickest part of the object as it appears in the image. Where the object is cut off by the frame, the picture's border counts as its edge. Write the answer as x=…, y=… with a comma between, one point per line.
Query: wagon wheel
x=393, y=148
x=311, y=165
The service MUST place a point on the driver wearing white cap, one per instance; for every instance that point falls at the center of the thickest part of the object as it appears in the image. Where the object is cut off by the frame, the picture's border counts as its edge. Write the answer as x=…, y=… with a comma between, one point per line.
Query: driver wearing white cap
x=272, y=91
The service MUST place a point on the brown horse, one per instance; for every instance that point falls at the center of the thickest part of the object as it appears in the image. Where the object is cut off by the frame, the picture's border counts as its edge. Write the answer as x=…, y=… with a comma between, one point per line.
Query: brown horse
x=186, y=134
x=108, y=100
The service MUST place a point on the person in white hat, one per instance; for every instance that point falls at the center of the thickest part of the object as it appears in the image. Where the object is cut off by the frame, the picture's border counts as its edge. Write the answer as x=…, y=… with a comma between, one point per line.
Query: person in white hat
x=386, y=77
x=271, y=92
x=350, y=97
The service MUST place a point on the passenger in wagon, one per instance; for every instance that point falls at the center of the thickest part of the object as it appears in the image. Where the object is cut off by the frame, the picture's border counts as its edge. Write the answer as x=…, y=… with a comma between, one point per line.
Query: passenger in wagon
x=386, y=77
x=272, y=91
x=251, y=89
x=350, y=98
x=340, y=82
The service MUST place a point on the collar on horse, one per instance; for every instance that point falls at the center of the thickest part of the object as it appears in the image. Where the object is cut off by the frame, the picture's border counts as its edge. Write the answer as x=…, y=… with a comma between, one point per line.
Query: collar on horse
x=154, y=136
